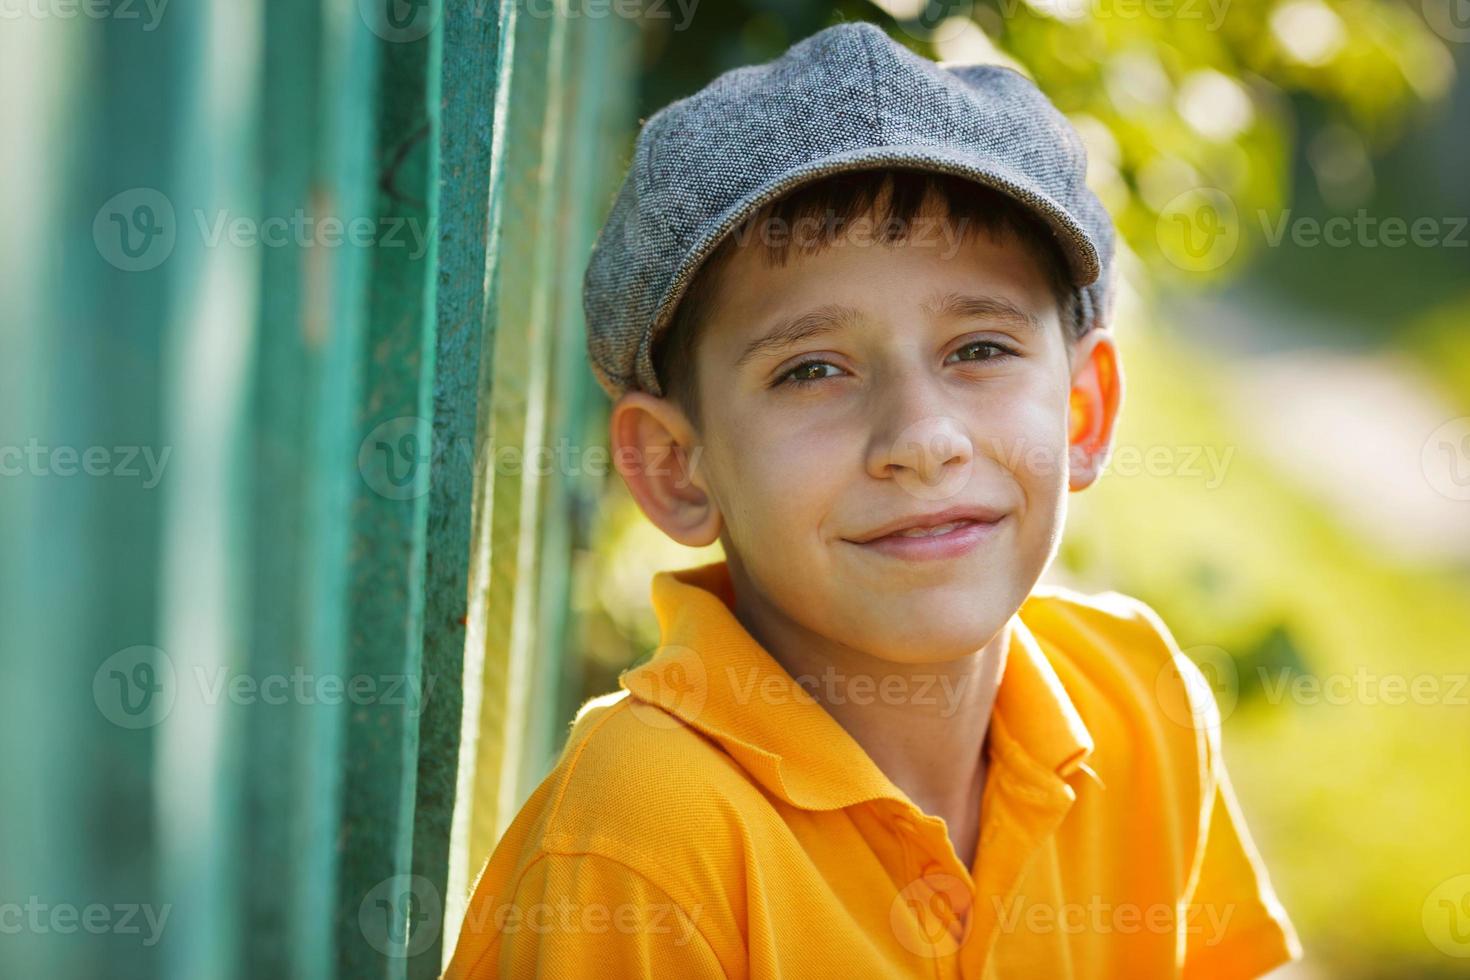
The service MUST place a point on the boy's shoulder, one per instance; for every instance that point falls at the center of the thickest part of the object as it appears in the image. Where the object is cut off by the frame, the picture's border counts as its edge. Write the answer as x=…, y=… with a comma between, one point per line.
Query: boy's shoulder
x=629, y=818
x=1120, y=625
x=627, y=785
x=621, y=744
x=1127, y=675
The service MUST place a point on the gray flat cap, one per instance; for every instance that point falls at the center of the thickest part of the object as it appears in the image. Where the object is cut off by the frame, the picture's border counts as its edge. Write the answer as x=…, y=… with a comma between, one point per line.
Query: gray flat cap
x=846, y=98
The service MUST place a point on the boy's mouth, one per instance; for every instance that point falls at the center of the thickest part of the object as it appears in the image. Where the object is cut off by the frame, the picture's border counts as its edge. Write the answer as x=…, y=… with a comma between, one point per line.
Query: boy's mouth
x=947, y=534
x=929, y=532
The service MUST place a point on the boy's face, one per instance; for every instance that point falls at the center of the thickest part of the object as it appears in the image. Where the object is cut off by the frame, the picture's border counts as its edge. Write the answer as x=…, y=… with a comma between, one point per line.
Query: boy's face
x=869, y=387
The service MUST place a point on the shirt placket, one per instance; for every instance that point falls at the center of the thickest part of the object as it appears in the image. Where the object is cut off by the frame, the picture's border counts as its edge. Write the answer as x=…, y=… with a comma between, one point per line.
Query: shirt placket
x=1025, y=813
x=939, y=900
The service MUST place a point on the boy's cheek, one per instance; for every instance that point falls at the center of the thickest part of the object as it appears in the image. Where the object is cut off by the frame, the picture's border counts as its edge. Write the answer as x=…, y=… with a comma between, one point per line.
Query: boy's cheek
x=769, y=457
x=1033, y=445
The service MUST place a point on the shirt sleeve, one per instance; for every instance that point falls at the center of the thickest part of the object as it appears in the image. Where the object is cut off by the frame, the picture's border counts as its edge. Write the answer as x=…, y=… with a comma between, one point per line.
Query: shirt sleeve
x=584, y=915
x=1237, y=927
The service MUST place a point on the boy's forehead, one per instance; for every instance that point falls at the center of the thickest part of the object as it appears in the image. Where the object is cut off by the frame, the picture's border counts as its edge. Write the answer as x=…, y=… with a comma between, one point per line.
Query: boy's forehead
x=869, y=276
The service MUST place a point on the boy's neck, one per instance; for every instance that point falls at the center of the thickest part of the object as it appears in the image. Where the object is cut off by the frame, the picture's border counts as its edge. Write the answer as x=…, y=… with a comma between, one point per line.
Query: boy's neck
x=923, y=725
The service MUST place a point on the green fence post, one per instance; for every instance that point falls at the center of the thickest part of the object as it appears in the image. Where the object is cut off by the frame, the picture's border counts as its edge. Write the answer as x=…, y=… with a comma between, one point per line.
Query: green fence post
x=377, y=893
x=568, y=90
x=189, y=287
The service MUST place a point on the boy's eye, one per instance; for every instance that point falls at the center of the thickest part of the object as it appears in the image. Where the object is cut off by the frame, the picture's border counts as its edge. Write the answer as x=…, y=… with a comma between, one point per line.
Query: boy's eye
x=809, y=371
x=980, y=350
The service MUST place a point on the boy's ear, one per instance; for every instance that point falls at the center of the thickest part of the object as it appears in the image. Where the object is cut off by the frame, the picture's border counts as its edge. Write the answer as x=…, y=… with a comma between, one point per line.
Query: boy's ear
x=655, y=449
x=1097, y=394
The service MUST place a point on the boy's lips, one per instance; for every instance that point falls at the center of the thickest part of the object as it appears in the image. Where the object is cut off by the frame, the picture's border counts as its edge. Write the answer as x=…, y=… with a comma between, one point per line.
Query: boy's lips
x=925, y=524
x=945, y=534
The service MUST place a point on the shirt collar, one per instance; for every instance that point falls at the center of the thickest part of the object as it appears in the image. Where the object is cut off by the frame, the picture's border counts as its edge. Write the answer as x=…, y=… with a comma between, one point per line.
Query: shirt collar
x=1033, y=711
x=713, y=675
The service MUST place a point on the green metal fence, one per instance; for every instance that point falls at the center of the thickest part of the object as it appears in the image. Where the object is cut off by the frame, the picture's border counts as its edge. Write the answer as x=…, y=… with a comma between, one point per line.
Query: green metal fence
x=291, y=301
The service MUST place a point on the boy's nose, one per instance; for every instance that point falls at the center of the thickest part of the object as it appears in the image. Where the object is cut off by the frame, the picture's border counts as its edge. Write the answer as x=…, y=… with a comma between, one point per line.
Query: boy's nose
x=929, y=456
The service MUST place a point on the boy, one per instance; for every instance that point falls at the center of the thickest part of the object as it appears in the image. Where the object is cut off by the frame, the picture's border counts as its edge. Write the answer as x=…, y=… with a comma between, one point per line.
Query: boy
x=853, y=308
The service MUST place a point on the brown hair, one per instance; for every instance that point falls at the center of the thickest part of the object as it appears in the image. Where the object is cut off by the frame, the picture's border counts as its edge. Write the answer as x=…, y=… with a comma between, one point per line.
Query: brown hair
x=834, y=202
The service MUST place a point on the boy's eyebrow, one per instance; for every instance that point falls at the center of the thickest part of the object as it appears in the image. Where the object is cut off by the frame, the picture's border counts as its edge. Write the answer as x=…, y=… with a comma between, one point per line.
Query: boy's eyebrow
x=812, y=323
x=834, y=316
x=963, y=306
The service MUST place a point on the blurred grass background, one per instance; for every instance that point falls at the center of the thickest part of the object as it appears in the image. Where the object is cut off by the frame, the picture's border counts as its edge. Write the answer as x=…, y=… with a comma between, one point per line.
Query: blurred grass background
x=1329, y=539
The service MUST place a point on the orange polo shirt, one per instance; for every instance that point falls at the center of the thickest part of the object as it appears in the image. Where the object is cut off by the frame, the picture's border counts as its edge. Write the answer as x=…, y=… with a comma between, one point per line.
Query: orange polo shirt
x=713, y=820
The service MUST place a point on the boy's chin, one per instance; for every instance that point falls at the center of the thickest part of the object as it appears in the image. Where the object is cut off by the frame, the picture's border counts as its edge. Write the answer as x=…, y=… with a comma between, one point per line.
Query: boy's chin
x=929, y=640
